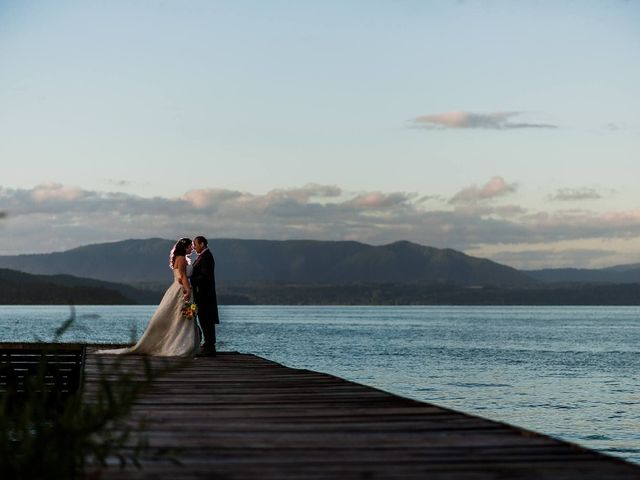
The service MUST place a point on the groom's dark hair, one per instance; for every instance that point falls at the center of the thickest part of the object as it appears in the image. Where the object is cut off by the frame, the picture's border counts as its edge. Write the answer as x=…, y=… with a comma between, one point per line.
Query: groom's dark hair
x=201, y=239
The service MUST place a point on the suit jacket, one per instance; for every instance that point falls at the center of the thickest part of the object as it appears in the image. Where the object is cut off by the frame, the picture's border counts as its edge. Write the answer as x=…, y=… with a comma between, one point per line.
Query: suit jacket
x=203, y=283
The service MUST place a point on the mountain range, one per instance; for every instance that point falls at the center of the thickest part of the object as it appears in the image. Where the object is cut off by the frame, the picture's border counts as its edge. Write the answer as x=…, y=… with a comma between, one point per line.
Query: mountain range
x=264, y=261
x=308, y=272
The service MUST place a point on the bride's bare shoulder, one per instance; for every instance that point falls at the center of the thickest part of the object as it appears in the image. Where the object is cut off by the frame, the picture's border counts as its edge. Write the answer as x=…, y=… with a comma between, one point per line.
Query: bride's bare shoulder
x=180, y=262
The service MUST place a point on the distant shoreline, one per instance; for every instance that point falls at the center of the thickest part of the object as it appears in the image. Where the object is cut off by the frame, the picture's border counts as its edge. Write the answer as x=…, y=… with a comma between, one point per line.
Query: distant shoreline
x=364, y=295
x=434, y=294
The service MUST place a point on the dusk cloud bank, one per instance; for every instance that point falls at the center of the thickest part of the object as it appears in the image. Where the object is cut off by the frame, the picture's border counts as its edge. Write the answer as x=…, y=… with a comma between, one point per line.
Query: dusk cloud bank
x=462, y=120
x=53, y=217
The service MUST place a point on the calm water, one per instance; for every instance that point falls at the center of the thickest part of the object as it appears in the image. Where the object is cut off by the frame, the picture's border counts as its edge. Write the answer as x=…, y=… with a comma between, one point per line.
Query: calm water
x=570, y=372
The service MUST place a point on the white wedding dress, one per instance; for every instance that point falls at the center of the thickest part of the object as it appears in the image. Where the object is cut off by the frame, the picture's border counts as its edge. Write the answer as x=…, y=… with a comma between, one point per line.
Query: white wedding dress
x=168, y=334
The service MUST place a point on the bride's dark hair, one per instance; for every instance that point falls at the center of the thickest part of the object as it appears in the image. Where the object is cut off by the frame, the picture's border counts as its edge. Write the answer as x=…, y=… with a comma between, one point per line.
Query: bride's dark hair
x=179, y=250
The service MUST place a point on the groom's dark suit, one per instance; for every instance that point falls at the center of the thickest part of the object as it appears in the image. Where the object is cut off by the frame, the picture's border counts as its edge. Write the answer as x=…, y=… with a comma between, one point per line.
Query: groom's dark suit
x=203, y=283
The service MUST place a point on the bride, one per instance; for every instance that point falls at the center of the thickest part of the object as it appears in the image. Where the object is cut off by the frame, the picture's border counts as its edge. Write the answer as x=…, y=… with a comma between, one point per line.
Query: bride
x=168, y=333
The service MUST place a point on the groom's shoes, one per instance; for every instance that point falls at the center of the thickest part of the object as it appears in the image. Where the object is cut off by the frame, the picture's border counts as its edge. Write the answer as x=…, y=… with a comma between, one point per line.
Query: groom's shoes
x=207, y=351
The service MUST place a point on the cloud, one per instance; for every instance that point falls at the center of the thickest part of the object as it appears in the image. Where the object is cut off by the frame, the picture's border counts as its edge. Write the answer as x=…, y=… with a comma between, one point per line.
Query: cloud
x=495, y=187
x=434, y=198
x=55, y=192
x=210, y=197
x=379, y=200
x=305, y=194
x=573, y=194
x=52, y=218
x=467, y=120
x=495, y=211
x=582, y=224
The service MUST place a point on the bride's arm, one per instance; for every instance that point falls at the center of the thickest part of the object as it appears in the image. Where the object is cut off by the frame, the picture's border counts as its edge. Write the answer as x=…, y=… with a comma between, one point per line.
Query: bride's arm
x=181, y=265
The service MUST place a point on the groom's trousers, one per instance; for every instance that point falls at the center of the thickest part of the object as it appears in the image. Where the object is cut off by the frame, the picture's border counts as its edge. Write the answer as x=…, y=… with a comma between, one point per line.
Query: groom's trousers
x=206, y=319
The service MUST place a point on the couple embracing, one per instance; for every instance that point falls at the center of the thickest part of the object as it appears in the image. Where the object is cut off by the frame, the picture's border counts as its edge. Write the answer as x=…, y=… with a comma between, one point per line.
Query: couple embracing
x=171, y=331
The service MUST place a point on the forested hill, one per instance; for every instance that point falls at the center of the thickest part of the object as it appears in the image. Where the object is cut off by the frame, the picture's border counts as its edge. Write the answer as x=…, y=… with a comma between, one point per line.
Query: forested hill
x=267, y=261
x=18, y=288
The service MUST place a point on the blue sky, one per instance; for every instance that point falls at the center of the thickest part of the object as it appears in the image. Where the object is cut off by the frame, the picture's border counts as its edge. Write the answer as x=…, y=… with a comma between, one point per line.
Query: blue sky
x=504, y=129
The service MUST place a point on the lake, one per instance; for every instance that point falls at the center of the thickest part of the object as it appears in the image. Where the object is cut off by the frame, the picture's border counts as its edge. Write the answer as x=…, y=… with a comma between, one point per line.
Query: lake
x=569, y=372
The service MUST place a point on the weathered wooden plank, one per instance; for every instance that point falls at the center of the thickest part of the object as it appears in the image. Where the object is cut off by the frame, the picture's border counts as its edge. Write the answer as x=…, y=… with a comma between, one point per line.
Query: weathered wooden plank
x=217, y=440
x=237, y=425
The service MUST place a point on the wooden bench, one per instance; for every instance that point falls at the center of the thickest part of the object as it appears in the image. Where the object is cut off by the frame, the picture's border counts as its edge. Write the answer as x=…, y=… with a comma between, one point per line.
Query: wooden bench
x=54, y=369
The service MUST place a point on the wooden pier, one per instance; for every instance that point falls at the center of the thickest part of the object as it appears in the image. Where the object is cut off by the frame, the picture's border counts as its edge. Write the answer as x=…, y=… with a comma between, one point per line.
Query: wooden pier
x=239, y=416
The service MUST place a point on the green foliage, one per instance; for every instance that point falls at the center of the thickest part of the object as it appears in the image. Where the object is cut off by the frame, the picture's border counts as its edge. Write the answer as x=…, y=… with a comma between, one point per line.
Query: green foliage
x=48, y=434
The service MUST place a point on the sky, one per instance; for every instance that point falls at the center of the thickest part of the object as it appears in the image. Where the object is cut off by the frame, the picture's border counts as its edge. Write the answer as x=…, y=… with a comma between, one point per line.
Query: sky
x=507, y=130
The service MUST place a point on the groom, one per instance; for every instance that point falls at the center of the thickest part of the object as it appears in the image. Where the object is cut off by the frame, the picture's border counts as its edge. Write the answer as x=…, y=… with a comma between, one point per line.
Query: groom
x=204, y=294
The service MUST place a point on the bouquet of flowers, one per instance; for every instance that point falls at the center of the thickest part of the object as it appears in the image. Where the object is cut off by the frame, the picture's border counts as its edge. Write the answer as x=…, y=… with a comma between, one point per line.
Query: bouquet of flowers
x=189, y=310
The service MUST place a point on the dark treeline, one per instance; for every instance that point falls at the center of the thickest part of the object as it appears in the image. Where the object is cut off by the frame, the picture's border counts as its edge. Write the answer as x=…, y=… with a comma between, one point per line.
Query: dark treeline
x=18, y=288
x=435, y=294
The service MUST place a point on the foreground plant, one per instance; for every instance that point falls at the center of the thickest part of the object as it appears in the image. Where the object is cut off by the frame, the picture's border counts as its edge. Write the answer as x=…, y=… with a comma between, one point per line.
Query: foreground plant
x=46, y=433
